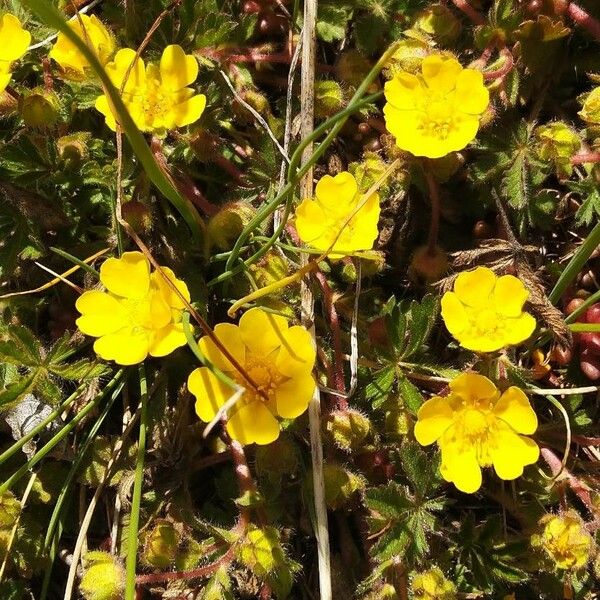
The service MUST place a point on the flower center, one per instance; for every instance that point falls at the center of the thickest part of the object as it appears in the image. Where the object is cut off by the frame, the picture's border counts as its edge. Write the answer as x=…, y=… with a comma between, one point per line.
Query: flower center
x=475, y=429
x=438, y=117
x=265, y=377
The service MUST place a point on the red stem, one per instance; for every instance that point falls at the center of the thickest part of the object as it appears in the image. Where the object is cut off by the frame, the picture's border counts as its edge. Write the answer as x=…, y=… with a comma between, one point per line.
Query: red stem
x=474, y=15
x=505, y=69
x=589, y=157
x=583, y=18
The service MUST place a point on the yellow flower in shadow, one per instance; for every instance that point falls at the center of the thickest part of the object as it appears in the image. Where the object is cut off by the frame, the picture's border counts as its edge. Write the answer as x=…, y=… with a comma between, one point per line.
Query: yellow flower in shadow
x=338, y=218
x=15, y=41
x=437, y=111
x=138, y=315
x=278, y=359
x=485, y=312
x=477, y=426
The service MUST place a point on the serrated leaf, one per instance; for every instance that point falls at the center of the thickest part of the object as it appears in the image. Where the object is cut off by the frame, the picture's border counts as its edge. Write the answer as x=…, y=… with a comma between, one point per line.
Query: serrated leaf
x=332, y=21
x=411, y=396
x=378, y=389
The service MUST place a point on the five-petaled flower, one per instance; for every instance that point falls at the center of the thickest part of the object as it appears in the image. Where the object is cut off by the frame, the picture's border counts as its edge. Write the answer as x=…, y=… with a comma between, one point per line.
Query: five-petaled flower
x=477, y=426
x=438, y=111
x=15, y=41
x=139, y=314
x=95, y=36
x=156, y=96
x=278, y=360
x=339, y=218
x=485, y=312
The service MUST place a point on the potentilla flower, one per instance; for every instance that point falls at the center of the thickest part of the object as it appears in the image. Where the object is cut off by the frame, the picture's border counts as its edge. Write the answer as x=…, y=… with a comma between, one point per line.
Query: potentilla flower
x=338, y=218
x=156, y=96
x=437, y=111
x=139, y=314
x=485, y=312
x=279, y=360
x=15, y=41
x=477, y=426
x=96, y=37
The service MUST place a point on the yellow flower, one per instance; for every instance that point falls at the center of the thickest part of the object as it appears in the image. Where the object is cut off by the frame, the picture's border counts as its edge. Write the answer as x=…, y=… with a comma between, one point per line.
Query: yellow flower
x=95, y=35
x=437, y=111
x=485, y=312
x=565, y=540
x=155, y=95
x=139, y=314
x=433, y=585
x=15, y=41
x=279, y=360
x=590, y=111
x=334, y=210
x=476, y=426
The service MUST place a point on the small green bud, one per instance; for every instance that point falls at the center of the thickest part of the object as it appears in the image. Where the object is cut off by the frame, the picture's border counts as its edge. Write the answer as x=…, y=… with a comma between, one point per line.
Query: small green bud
x=10, y=509
x=340, y=485
x=349, y=429
x=261, y=550
x=161, y=544
x=408, y=57
x=426, y=267
x=329, y=98
x=39, y=108
x=270, y=269
x=352, y=67
x=368, y=171
x=225, y=227
x=397, y=423
x=73, y=149
x=439, y=22
x=433, y=585
x=103, y=577
x=138, y=215
x=558, y=143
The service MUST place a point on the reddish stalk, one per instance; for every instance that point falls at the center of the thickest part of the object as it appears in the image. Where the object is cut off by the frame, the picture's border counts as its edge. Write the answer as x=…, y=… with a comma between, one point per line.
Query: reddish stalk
x=505, y=69
x=589, y=157
x=473, y=14
x=584, y=19
x=434, y=196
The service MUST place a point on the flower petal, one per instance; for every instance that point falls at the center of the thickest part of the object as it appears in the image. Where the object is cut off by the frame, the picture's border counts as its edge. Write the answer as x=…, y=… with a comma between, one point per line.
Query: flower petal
x=15, y=39
x=512, y=452
x=189, y=111
x=253, y=423
x=460, y=467
x=128, y=276
x=4, y=79
x=509, y=296
x=231, y=338
x=520, y=329
x=514, y=408
x=453, y=313
x=167, y=339
x=434, y=417
x=292, y=396
x=333, y=191
x=440, y=72
x=210, y=393
x=474, y=387
x=177, y=69
x=311, y=224
x=297, y=352
x=403, y=91
x=471, y=94
x=103, y=106
x=101, y=313
x=473, y=288
x=125, y=347
x=170, y=297
x=262, y=332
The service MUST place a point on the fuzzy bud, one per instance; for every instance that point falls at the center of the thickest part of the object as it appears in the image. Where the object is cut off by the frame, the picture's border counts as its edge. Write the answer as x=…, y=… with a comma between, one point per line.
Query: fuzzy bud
x=348, y=429
x=270, y=269
x=426, y=267
x=73, y=149
x=261, y=550
x=439, y=22
x=10, y=508
x=558, y=143
x=352, y=67
x=340, y=485
x=329, y=98
x=161, y=544
x=225, y=227
x=408, y=57
x=433, y=585
x=39, y=108
x=138, y=215
x=103, y=578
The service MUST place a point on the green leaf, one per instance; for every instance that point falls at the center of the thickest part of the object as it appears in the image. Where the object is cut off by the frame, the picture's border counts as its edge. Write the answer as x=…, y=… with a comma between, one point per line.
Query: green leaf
x=332, y=21
x=590, y=200
x=411, y=396
x=378, y=389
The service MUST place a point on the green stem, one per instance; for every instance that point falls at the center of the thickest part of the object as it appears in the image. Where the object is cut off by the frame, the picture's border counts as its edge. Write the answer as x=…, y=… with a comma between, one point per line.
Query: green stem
x=49, y=446
x=584, y=327
x=136, y=500
x=575, y=264
x=76, y=261
x=595, y=297
x=53, y=18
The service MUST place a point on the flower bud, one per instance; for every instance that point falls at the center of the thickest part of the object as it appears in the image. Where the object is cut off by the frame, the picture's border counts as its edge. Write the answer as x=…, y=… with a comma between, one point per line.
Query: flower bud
x=565, y=540
x=433, y=585
x=349, y=429
x=558, y=143
x=340, y=485
x=352, y=67
x=138, y=215
x=73, y=149
x=103, y=578
x=329, y=98
x=408, y=57
x=270, y=269
x=161, y=544
x=226, y=226
x=439, y=22
x=426, y=267
x=397, y=423
x=39, y=108
x=386, y=592
x=590, y=112
x=370, y=170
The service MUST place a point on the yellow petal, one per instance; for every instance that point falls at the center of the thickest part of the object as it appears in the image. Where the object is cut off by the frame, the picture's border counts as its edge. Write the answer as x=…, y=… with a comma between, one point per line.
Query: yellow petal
x=311, y=223
x=514, y=408
x=128, y=276
x=407, y=128
x=125, y=347
x=189, y=111
x=171, y=298
x=404, y=91
x=463, y=131
x=253, y=424
x=262, y=332
x=433, y=418
x=486, y=342
x=440, y=72
x=210, y=393
x=453, y=313
x=473, y=387
x=167, y=339
x=101, y=313
x=511, y=452
x=4, y=80
x=120, y=66
x=15, y=39
x=292, y=396
x=473, y=288
x=103, y=106
x=510, y=295
x=177, y=69
x=297, y=352
x=361, y=231
x=231, y=338
x=332, y=192
x=471, y=94
x=460, y=467
x=520, y=329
